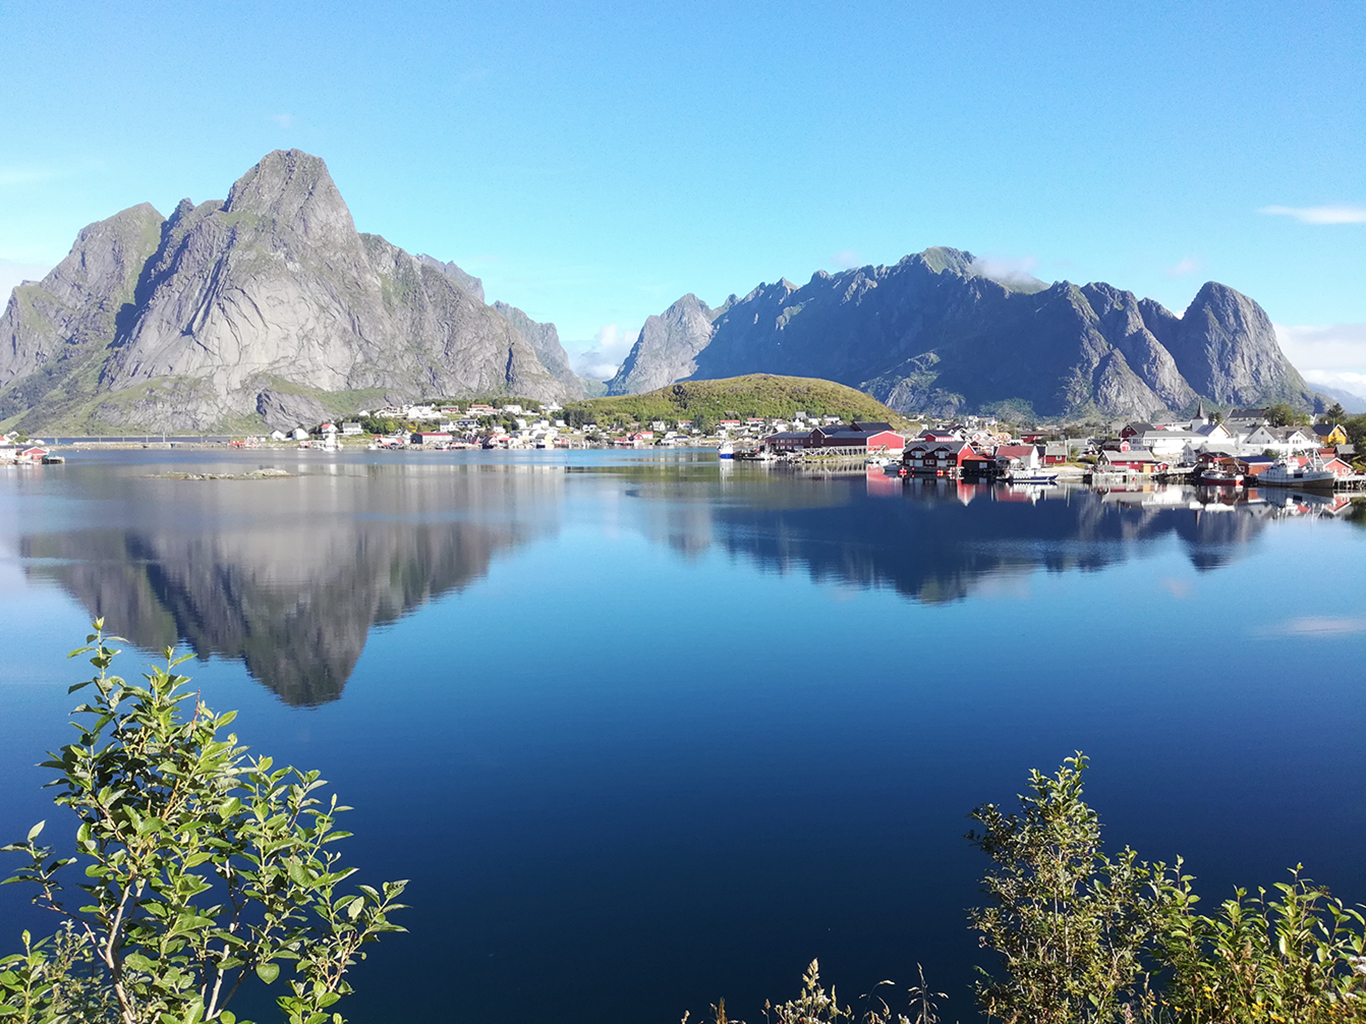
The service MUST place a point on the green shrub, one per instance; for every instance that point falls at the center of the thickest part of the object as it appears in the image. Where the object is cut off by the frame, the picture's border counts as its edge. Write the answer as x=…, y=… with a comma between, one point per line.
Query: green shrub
x=203, y=867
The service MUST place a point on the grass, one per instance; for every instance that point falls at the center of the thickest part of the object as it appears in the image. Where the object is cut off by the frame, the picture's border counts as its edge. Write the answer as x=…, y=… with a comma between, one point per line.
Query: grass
x=757, y=394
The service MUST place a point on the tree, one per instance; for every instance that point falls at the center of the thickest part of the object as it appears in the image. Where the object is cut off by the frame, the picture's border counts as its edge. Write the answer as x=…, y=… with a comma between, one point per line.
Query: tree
x=1070, y=924
x=203, y=866
x=1282, y=415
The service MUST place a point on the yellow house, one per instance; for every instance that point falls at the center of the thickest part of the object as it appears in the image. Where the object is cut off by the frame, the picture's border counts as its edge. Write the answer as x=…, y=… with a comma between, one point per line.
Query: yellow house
x=1330, y=435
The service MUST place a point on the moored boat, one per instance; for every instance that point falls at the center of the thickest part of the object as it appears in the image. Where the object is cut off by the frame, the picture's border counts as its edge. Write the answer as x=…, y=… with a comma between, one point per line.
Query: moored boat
x=1213, y=476
x=1287, y=474
x=726, y=451
x=1030, y=476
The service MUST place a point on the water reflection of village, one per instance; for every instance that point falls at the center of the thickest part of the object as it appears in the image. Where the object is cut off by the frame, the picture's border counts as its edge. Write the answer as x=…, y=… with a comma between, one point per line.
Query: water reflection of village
x=935, y=539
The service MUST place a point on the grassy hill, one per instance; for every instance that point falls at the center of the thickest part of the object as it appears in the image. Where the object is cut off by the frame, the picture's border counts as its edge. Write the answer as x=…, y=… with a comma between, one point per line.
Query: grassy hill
x=707, y=401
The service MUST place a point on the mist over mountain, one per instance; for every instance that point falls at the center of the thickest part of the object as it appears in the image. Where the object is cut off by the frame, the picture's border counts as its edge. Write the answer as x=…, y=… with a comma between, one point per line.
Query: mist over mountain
x=935, y=334
x=264, y=308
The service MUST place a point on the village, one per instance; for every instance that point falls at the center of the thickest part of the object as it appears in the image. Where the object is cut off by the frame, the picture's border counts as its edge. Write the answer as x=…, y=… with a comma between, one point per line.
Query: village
x=1243, y=449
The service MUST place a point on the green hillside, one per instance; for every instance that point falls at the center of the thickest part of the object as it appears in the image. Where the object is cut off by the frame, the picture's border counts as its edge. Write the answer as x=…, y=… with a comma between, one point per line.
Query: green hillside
x=705, y=402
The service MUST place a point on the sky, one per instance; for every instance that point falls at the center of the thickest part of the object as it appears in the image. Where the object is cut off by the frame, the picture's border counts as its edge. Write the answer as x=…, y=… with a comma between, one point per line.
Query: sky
x=593, y=162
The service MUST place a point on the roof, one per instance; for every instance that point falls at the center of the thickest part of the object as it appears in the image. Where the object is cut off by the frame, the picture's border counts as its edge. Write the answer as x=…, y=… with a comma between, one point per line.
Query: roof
x=1324, y=429
x=952, y=447
x=1015, y=451
x=1132, y=455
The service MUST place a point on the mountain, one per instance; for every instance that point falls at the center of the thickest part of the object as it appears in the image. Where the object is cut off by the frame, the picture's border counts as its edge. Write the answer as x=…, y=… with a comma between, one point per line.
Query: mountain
x=267, y=307
x=935, y=334
x=1350, y=401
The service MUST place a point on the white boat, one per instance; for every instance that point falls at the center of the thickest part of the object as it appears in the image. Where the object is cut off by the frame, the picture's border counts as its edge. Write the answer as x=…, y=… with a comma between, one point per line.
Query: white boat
x=726, y=451
x=1212, y=476
x=877, y=460
x=1030, y=476
x=1312, y=474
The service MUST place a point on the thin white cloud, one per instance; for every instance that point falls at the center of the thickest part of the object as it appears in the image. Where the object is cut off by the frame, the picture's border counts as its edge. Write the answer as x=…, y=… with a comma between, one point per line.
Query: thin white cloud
x=1346, y=213
x=283, y=120
x=1342, y=380
x=12, y=176
x=1187, y=265
x=845, y=259
x=1321, y=625
x=600, y=358
x=1333, y=348
x=1008, y=270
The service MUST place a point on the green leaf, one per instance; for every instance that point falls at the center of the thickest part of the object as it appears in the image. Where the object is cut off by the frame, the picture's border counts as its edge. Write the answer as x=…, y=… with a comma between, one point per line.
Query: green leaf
x=268, y=972
x=36, y=830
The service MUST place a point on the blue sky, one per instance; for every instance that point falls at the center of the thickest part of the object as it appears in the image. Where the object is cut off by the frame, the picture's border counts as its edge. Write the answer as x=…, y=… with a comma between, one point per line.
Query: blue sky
x=593, y=162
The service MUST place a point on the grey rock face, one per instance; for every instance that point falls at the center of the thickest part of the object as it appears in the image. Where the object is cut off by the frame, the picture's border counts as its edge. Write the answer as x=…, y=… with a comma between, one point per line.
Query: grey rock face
x=1227, y=349
x=285, y=411
x=52, y=332
x=545, y=341
x=463, y=281
x=272, y=285
x=666, y=348
x=933, y=334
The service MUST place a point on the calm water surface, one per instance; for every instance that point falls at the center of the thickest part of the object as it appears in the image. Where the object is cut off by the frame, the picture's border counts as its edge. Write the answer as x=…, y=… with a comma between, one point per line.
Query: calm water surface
x=645, y=731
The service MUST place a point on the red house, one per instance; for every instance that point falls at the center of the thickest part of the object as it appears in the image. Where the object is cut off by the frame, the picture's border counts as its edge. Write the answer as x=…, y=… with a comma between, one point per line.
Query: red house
x=872, y=436
x=937, y=458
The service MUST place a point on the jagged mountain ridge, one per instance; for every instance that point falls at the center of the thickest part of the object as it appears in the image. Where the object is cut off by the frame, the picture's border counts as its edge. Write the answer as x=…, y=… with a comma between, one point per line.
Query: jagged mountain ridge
x=934, y=334
x=267, y=306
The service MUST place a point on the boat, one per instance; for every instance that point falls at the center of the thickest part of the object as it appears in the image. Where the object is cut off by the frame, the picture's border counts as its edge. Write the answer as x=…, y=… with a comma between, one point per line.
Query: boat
x=1310, y=475
x=1030, y=476
x=877, y=461
x=1213, y=476
x=726, y=451
x=53, y=460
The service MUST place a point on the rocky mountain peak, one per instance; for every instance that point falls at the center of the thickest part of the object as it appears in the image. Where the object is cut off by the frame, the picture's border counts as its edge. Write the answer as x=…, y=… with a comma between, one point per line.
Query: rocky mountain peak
x=252, y=309
x=294, y=190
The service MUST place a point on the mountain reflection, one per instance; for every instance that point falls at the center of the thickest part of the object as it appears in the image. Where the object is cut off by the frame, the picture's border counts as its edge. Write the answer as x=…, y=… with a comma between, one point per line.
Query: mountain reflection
x=290, y=575
x=934, y=540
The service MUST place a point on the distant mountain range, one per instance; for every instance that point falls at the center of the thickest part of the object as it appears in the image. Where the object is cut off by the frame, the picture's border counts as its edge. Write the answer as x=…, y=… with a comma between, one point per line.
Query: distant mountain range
x=1350, y=401
x=934, y=334
x=266, y=307
x=269, y=308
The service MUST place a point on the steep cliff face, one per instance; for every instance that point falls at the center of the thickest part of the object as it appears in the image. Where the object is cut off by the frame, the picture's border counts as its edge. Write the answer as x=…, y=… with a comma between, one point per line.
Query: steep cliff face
x=1227, y=350
x=545, y=340
x=268, y=302
x=666, y=348
x=53, y=333
x=932, y=334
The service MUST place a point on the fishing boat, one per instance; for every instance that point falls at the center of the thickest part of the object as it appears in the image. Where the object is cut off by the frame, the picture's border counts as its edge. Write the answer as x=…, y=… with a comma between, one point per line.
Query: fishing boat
x=726, y=451
x=1290, y=474
x=1217, y=476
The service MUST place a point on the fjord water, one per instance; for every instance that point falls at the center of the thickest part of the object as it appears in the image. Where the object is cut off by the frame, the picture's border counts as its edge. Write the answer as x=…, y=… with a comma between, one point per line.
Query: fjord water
x=645, y=731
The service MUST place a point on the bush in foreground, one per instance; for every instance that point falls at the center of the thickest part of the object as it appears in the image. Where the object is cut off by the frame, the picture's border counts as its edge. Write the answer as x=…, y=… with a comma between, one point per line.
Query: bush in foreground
x=203, y=867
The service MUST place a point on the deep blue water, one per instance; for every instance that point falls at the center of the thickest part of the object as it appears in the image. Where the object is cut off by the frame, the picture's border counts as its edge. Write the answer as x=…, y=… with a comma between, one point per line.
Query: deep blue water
x=645, y=732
